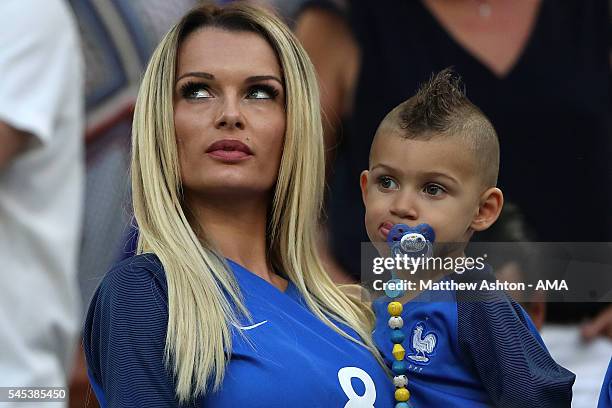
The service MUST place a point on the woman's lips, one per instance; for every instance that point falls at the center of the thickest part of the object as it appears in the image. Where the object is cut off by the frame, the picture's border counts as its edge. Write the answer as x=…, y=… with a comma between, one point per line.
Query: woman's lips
x=229, y=155
x=229, y=150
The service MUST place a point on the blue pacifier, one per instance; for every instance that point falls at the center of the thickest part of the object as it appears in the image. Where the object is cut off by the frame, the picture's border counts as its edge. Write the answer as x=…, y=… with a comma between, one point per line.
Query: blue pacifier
x=410, y=241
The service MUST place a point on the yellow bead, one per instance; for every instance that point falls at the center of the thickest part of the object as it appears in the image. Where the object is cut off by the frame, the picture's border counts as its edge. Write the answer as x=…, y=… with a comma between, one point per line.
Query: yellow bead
x=395, y=308
x=402, y=394
x=398, y=352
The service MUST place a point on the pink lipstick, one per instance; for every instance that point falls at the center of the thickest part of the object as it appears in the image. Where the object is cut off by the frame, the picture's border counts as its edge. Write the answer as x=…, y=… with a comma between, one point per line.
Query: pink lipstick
x=229, y=150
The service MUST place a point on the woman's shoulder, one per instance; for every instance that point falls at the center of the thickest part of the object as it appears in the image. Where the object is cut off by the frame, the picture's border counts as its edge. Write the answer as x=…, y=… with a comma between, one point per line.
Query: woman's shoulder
x=124, y=334
x=132, y=294
x=132, y=273
x=147, y=263
x=133, y=287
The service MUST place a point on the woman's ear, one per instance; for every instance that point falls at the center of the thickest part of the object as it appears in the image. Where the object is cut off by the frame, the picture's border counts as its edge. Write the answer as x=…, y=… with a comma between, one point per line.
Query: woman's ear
x=489, y=208
x=363, y=183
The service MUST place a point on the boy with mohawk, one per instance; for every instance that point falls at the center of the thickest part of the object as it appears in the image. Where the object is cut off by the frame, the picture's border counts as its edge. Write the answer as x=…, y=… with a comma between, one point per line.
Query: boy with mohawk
x=434, y=160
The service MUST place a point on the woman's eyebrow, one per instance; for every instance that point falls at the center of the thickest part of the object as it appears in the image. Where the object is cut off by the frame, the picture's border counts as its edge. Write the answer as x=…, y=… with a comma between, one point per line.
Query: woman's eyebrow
x=204, y=75
x=258, y=78
x=249, y=80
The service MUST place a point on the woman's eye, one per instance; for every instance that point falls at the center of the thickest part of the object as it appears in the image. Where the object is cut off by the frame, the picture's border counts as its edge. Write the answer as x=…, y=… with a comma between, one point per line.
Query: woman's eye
x=434, y=190
x=262, y=92
x=387, y=183
x=195, y=91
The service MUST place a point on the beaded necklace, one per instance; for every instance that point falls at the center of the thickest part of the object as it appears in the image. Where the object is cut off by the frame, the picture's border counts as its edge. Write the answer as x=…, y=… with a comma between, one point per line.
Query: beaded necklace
x=411, y=242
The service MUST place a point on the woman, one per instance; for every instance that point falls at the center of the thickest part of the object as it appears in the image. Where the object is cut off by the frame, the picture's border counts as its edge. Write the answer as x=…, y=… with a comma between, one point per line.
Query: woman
x=227, y=303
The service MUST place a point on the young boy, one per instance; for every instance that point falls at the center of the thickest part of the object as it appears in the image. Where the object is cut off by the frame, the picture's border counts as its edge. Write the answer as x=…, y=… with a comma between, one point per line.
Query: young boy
x=435, y=160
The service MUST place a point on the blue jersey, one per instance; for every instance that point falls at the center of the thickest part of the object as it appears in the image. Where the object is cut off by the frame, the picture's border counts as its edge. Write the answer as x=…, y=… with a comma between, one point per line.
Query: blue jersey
x=473, y=349
x=605, y=397
x=293, y=359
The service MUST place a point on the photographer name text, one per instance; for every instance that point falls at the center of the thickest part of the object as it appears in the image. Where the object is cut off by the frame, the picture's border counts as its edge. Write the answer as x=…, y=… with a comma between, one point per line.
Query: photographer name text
x=403, y=284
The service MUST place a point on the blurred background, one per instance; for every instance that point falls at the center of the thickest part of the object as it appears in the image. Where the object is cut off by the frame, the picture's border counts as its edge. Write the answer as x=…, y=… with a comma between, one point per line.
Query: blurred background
x=539, y=69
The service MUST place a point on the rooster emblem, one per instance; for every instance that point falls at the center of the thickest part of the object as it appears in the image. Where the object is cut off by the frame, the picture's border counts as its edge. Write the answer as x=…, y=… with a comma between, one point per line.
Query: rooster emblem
x=422, y=345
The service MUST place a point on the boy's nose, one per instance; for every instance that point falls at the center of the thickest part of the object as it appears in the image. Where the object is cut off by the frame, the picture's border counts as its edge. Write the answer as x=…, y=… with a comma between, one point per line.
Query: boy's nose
x=404, y=207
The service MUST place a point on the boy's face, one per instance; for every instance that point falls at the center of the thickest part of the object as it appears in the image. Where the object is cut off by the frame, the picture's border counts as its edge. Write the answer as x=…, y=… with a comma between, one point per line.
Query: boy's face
x=422, y=181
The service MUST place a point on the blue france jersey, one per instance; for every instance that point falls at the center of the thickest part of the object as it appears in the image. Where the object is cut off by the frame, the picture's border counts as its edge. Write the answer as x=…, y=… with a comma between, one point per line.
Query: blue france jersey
x=605, y=397
x=473, y=349
x=294, y=360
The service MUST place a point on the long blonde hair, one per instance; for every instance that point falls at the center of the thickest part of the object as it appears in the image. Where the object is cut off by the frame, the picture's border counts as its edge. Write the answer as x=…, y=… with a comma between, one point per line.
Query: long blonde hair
x=204, y=299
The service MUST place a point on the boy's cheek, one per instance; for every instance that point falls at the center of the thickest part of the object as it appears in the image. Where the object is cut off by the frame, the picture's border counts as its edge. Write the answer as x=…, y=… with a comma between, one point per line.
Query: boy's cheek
x=372, y=230
x=369, y=222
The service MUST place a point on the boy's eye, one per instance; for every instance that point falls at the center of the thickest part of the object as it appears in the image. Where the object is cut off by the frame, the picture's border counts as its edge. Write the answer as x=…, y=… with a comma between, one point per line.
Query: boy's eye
x=434, y=190
x=262, y=92
x=192, y=90
x=387, y=183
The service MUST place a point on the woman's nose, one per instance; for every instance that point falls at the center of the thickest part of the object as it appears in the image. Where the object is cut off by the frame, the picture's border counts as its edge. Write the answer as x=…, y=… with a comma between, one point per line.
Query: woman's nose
x=230, y=115
x=405, y=206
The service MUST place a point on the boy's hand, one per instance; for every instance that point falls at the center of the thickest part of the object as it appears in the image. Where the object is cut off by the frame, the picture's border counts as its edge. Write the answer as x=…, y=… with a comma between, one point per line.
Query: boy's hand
x=601, y=325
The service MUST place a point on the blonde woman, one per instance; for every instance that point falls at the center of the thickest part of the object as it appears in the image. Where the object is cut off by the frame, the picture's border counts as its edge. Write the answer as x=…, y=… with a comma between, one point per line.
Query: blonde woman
x=227, y=304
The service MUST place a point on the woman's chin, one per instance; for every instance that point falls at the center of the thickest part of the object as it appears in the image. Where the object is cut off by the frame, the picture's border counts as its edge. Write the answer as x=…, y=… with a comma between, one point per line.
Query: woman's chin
x=245, y=189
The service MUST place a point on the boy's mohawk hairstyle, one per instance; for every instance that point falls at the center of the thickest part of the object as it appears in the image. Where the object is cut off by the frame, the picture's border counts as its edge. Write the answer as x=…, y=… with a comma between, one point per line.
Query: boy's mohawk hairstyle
x=435, y=104
x=441, y=108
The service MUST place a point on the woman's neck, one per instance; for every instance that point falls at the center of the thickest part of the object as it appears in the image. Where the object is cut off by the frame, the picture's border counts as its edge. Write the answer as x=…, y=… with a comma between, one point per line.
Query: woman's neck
x=237, y=229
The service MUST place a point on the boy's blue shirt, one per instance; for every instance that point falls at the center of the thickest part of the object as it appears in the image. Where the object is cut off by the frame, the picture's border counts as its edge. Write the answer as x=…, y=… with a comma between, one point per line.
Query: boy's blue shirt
x=487, y=351
x=291, y=358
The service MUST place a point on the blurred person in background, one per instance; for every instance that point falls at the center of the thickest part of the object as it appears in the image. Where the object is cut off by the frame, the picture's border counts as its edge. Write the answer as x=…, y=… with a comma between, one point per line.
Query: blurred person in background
x=41, y=176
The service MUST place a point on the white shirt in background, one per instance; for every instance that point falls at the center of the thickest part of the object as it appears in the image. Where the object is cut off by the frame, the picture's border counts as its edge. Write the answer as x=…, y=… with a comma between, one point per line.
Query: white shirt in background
x=41, y=193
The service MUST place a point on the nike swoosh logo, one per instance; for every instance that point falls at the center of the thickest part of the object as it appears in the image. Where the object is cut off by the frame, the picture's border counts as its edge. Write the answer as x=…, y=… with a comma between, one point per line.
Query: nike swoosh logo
x=253, y=326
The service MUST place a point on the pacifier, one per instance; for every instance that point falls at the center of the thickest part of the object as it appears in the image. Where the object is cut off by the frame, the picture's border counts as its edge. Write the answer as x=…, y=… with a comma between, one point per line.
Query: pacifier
x=413, y=242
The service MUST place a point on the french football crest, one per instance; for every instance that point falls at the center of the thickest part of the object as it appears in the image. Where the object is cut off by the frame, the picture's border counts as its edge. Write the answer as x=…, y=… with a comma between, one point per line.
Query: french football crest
x=423, y=343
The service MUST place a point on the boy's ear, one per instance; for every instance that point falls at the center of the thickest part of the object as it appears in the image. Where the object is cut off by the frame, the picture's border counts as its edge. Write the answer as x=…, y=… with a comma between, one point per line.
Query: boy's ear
x=489, y=208
x=363, y=183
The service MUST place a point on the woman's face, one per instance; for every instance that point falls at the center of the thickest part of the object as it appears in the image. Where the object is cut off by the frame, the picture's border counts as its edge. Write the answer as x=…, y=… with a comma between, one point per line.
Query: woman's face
x=229, y=114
